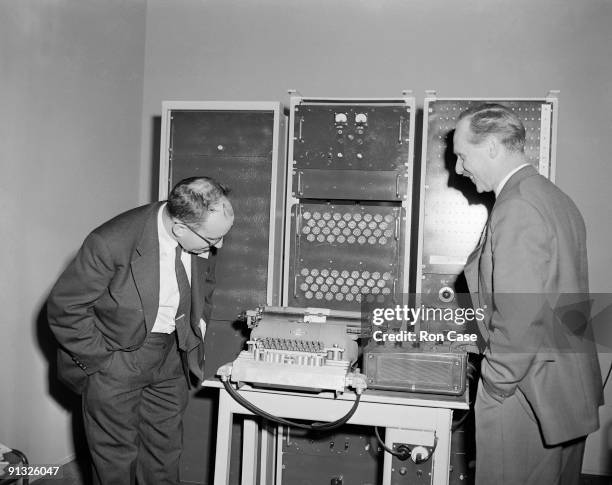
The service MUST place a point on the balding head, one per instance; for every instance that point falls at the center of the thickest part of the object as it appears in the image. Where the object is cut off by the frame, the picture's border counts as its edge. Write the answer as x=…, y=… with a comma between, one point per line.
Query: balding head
x=491, y=119
x=195, y=199
x=199, y=214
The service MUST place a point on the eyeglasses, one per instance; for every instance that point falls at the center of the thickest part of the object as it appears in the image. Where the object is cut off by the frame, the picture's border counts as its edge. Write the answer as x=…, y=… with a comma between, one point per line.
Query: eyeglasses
x=210, y=242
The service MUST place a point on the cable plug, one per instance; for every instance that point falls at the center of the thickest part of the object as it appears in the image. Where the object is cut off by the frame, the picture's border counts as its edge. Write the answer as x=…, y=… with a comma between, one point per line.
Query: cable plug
x=225, y=371
x=403, y=452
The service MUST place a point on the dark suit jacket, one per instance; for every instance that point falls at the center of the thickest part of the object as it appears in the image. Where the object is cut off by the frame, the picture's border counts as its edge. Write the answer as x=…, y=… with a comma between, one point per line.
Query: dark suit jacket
x=107, y=298
x=530, y=272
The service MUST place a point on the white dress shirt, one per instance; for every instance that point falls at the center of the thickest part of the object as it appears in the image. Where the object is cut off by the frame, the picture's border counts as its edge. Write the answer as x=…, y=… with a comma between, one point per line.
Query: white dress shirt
x=168, y=286
x=500, y=186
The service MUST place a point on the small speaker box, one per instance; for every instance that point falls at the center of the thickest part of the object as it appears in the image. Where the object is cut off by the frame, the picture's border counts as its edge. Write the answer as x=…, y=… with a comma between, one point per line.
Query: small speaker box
x=415, y=370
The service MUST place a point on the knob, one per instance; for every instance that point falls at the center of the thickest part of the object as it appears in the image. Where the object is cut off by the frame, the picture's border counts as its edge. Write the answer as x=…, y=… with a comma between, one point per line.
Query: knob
x=446, y=294
x=419, y=454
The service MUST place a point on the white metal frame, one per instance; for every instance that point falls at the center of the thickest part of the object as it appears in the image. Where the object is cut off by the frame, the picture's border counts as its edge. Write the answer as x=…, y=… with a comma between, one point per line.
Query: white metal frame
x=549, y=164
x=290, y=200
x=407, y=418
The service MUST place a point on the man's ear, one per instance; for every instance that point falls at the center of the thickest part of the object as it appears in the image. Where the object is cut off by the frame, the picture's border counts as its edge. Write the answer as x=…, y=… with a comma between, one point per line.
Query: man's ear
x=178, y=229
x=493, y=147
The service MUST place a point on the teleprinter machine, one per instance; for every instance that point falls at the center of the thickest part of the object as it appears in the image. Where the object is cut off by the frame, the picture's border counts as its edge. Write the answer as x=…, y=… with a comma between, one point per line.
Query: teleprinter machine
x=308, y=349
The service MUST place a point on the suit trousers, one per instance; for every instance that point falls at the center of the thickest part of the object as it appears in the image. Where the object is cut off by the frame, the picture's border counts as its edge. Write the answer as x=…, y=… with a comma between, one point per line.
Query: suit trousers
x=133, y=411
x=510, y=449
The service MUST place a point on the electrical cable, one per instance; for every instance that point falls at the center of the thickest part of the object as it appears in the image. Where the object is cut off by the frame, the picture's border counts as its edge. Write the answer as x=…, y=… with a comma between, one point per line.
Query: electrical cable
x=403, y=451
x=316, y=426
x=400, y=455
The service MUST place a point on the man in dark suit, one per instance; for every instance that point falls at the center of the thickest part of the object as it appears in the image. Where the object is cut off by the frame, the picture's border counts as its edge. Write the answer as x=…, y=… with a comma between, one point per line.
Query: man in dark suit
x=540, y=384
x=130, y=314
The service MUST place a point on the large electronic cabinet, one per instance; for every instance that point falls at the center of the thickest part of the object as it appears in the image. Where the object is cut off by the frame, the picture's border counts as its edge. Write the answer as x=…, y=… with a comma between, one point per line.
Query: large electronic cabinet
x=349, y=195
x=452, y=214
x=332, y=187
x=330, y=228
x=241, y=144
x=347, y=219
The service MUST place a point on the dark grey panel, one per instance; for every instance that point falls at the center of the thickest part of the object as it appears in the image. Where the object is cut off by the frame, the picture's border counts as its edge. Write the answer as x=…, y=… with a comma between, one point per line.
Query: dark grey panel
x=352, y=453
x=243, y=261
x=229, y=133
x=234, y=147
x=379, y=143
x=223, y=342
x=242, y=265
x=352, y=185
x=339, y=253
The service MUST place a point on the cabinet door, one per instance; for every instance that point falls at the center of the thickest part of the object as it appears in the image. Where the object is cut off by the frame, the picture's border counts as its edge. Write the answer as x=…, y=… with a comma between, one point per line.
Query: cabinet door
x=239, y=148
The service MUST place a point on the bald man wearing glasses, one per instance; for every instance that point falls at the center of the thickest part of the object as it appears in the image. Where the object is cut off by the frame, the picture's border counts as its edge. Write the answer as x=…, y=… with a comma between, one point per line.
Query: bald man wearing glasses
x=130, y=315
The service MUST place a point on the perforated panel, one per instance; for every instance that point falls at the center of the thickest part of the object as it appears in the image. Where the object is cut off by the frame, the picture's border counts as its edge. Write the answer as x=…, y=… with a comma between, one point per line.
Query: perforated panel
x=454, y=214
x=342, y=252
x=348, y=201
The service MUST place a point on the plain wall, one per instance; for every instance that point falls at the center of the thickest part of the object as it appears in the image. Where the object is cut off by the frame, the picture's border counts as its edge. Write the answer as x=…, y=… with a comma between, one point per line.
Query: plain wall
x=79, y=144
x=240, y=50
x=71, y=79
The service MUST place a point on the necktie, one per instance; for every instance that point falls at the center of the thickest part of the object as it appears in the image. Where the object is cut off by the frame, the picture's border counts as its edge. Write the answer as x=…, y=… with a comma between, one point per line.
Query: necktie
x=183, y=312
